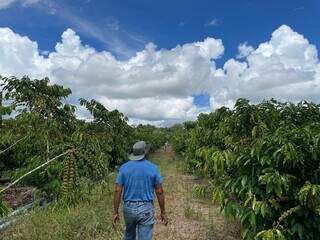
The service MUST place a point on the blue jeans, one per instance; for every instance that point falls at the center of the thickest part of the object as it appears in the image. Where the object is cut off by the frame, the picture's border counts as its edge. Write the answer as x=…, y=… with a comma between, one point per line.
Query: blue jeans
x=139, y=219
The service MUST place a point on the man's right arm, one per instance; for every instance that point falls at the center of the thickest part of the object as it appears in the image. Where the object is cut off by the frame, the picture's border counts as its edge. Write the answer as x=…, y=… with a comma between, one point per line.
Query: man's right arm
x=161, y=199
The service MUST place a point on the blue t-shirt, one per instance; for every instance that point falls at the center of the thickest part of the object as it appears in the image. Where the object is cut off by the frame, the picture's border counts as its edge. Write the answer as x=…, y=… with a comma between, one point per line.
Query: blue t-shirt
x=139, y=179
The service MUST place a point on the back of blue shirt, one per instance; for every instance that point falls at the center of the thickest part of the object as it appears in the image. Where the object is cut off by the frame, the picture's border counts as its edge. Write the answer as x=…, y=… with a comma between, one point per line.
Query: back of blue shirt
x=139, y=179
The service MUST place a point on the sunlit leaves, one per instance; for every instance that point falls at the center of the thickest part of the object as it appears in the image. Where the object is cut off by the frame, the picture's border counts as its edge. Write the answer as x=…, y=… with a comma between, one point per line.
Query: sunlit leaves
x=4, y=210
x=309, y=196
x=264, y=162
x=273, y=234
x=275, y=183
x=49, y=124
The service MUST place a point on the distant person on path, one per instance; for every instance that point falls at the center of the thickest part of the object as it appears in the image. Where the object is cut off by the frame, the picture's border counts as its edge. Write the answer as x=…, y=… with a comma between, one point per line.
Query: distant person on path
x=138, y=179
x=166, y=146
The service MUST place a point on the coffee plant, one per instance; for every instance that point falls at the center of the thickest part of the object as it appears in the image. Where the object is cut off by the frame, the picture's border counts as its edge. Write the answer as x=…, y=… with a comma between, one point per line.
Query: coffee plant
x=155, y=136
x=37, y=124
x=264, y=164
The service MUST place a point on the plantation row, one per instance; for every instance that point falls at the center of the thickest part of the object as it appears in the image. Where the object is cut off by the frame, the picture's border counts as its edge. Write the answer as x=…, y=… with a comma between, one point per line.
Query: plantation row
x=263, y=162
x=37, y=125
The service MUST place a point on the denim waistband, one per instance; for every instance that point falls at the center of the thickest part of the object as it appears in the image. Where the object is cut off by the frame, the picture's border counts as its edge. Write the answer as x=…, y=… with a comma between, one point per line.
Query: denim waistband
x=138, y=201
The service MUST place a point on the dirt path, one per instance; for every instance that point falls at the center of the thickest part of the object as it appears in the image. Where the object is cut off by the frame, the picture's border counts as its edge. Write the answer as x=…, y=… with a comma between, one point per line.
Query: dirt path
x=190, y=218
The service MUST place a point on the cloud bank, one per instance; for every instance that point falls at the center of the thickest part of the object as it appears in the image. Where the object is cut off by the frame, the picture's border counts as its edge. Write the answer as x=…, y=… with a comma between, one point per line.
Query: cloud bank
x=158, y=85
x=286, y=67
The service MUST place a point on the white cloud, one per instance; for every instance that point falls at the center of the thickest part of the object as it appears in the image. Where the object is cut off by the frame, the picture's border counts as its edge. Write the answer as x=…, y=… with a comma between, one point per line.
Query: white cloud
x=157, y=85
x=154, y=85
x=29, y=2
x=181, y=71
x=113, y=24
x=285, y=68
x=182, y=23
x=20, y=56
x=8, y=3
x=154, y=108
x=244, y=50
x=120, y=41
x=212, y=23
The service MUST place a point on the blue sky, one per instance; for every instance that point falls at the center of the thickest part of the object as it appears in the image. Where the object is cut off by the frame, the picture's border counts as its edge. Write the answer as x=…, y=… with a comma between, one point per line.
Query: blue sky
x=166, y=23
x=125, y=27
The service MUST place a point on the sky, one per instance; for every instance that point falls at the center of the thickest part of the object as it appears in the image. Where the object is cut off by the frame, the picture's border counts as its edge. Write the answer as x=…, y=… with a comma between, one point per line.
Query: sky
x=163, y=62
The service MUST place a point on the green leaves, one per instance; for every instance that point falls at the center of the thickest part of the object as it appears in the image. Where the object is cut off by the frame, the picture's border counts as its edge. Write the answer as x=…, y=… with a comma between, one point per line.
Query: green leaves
x=275, y=183
x=289, y=155
x=42, y=114
x=262, y=207
x=309, y=196
x=264, y=162
x=4, y=210
x=114, y=125
x=155, y=137
x=35, y=95
x=272, y=234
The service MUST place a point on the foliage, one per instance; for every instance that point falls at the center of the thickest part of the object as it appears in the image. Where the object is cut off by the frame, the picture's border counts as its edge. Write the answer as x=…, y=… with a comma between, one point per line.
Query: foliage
x=264, y=164
x=273, y=234
x=179, y=136
x=88, y=219
x=4, y=210
x=112, y=125
x=154, y=136
x=39, y=124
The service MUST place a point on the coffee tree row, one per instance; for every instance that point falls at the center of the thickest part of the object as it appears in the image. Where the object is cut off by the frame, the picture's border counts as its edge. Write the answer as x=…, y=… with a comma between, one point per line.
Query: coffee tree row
x=38, y=124
x=264, y=162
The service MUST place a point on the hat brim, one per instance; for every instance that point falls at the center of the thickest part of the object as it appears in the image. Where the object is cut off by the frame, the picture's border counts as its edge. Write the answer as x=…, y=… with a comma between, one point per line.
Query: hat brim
x=136, y=157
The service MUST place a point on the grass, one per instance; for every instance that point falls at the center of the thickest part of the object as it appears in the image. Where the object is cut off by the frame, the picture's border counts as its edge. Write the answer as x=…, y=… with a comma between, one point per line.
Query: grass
x=87, y=220
x=190, y=218
x=192, y=213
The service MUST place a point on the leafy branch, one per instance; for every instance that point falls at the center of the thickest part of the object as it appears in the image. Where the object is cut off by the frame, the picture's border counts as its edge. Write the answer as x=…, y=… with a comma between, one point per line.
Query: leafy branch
x=35, y=169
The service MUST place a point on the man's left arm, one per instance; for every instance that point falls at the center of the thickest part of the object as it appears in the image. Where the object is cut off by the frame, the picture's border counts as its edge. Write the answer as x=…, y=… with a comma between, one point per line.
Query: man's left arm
x=116, y=204
x=160, y=196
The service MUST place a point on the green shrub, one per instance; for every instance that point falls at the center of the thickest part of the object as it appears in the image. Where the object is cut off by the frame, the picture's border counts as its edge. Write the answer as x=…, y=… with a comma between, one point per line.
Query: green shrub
x=264, y=164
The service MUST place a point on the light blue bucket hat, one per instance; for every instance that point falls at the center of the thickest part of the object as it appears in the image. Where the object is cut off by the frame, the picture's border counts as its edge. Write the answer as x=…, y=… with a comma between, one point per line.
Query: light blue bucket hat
x=139, y=151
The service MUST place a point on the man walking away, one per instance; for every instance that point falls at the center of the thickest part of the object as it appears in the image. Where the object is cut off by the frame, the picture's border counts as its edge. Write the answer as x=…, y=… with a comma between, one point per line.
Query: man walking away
x=138, y=179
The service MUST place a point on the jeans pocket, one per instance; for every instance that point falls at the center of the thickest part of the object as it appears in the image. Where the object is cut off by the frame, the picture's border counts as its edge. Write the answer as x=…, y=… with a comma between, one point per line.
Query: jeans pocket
x=128, y=210
x=147, y=217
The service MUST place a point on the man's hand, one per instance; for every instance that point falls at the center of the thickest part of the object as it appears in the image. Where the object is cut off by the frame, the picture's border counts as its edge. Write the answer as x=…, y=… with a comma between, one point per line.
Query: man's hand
x=164, y=219
x=161, y=200
x=115, y=220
